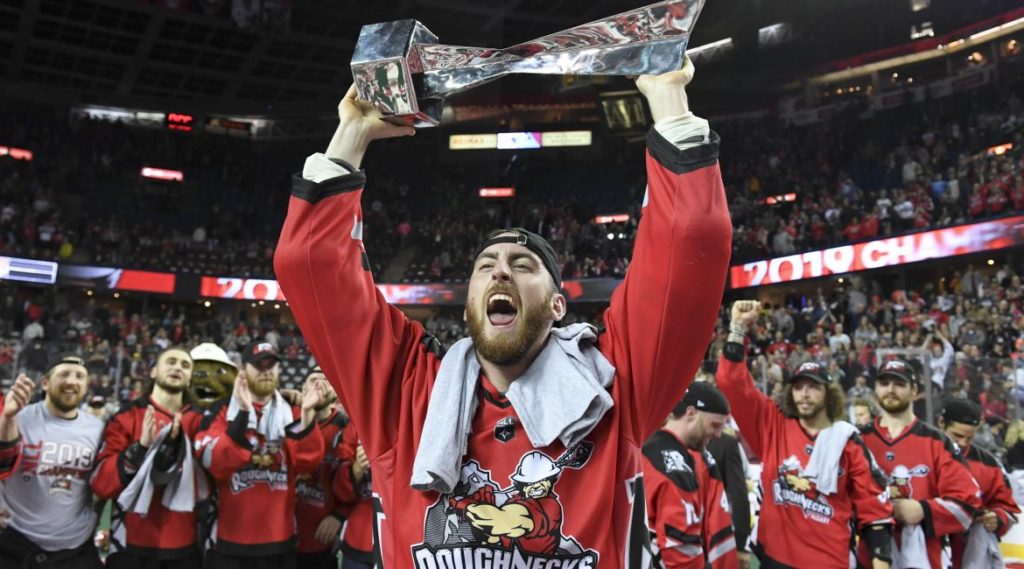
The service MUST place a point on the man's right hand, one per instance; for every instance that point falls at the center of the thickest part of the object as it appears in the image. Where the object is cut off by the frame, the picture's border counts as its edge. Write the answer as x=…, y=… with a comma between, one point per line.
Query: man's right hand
x=241, y=393
x=360, y=124
x=18, y=396
x=744, y=313
x=149, y=428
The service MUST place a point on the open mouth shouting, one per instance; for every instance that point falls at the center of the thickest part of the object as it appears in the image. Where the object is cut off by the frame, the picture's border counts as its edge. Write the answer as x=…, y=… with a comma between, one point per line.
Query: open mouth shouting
x=501, y=309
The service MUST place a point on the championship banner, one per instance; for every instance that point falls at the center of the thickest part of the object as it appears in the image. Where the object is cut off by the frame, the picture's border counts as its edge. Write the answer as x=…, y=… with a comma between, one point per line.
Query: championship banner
x=439, y=294
x=889, y=252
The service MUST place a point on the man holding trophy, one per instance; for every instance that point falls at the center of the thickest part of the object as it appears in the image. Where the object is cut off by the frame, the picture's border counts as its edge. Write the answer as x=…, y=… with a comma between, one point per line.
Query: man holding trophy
x=520, y=445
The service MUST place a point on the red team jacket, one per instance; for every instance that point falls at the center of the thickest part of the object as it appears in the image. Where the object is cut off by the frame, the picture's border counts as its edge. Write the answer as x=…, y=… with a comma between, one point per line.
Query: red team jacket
x=314, y=492
x=247, y=491
x=922, y=464
x=996, y=495
x=592, y=507
x=686, y=506
x=161, y=532
x=791, y=506
x=357, y=536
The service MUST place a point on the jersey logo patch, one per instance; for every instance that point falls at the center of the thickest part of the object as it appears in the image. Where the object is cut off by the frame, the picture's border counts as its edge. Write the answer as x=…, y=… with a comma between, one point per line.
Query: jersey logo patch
x=900, y=485
x=517, y=526
x=674, y=461
x=793, y=488
x=505, y=429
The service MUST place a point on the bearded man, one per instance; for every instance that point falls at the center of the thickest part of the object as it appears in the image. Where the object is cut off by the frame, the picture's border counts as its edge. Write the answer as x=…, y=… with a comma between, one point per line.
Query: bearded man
x=932, y=490
x=521, y=400
x=47, y=451
x=160, y=425
x=818, y=477
x=255, y=445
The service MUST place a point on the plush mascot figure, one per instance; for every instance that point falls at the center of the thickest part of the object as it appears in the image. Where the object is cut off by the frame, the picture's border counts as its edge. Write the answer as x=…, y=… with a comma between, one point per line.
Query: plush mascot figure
x=213, y=375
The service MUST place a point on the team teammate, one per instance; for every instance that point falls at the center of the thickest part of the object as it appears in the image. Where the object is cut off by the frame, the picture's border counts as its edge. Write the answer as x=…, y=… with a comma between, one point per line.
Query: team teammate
x=522, y=444
x=255, y=445
x=317, y=510
x=686, y=502
x=959, y=421
x=47, y=450
x=818, y=476
x=161, y=533
x=933, y=493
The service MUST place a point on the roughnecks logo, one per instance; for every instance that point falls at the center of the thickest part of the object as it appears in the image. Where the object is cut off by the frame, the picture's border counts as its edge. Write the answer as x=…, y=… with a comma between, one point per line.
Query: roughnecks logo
x=482, y=525
x=242, y=481
x=792, y=488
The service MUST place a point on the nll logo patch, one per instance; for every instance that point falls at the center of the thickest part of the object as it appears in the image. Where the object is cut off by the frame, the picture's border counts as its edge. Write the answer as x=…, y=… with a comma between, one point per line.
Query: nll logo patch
x=505, y=429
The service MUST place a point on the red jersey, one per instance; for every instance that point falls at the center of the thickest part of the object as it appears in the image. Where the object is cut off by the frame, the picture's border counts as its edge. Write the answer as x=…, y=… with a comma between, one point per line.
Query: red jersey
x=255, y=479
x=382, y=365
x=686, y=506
x=357, y=535
x=996, y=496
x=922, y=464
x=792, y=508
x=314, y=492
x=160, y=533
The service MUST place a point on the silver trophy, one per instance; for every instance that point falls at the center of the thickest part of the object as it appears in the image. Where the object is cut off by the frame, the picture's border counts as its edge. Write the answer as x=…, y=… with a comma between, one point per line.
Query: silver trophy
x=400, y=68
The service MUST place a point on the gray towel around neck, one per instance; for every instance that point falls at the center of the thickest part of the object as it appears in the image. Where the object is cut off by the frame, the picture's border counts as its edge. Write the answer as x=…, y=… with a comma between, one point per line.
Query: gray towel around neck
x=180, y=495
x=562, y=395
x=823, y=467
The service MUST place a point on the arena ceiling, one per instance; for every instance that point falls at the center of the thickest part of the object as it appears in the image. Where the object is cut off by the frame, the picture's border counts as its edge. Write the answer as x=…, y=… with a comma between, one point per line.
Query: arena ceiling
x=129, y=52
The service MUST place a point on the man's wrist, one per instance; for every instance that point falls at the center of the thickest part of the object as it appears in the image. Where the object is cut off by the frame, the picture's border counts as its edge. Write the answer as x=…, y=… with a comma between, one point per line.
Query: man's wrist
x=350, y=141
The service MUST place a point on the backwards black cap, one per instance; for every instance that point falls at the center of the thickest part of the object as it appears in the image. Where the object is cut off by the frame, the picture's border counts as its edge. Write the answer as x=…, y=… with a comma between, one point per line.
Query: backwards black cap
x=74, y=359
x=962, y=411
x=531, y=241
x=702, y=396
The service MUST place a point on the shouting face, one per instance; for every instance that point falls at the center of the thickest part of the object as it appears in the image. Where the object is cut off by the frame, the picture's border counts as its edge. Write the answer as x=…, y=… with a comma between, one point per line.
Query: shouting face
x=512, y=303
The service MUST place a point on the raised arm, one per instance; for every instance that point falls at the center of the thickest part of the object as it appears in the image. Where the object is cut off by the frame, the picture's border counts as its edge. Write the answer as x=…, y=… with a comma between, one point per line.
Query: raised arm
x=362, y=343
x=660, y=320
x=756, y=414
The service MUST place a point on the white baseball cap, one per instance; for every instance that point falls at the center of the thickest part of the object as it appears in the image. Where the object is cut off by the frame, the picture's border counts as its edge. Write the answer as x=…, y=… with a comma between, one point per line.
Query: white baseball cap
x=211, y=352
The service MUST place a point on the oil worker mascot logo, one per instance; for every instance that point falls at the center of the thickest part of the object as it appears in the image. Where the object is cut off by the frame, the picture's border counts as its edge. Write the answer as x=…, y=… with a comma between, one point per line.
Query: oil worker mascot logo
x=482, y=525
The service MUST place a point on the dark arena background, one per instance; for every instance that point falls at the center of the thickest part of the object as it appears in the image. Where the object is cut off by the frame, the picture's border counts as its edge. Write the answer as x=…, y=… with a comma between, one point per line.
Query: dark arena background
x=872, y=154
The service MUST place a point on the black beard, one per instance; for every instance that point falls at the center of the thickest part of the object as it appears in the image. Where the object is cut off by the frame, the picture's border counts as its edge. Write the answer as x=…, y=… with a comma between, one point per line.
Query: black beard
x=813, y=413
x=893, y=408
x=506, y=350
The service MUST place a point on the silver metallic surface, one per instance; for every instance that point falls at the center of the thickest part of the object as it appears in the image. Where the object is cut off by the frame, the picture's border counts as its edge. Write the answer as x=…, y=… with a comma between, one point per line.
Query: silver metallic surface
x=406, y=74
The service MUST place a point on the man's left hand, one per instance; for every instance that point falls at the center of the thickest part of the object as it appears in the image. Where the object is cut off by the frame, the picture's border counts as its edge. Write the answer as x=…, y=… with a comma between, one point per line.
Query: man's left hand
x=328, y=530
x=908, y=512
x=666, y=93
x=990, y=520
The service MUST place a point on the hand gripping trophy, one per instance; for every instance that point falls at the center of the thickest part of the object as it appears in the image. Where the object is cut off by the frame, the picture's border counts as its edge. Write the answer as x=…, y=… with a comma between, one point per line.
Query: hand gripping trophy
x=400, y=68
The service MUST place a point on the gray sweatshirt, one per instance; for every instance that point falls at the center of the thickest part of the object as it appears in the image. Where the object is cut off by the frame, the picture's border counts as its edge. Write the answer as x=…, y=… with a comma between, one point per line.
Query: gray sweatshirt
x=48, y=495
